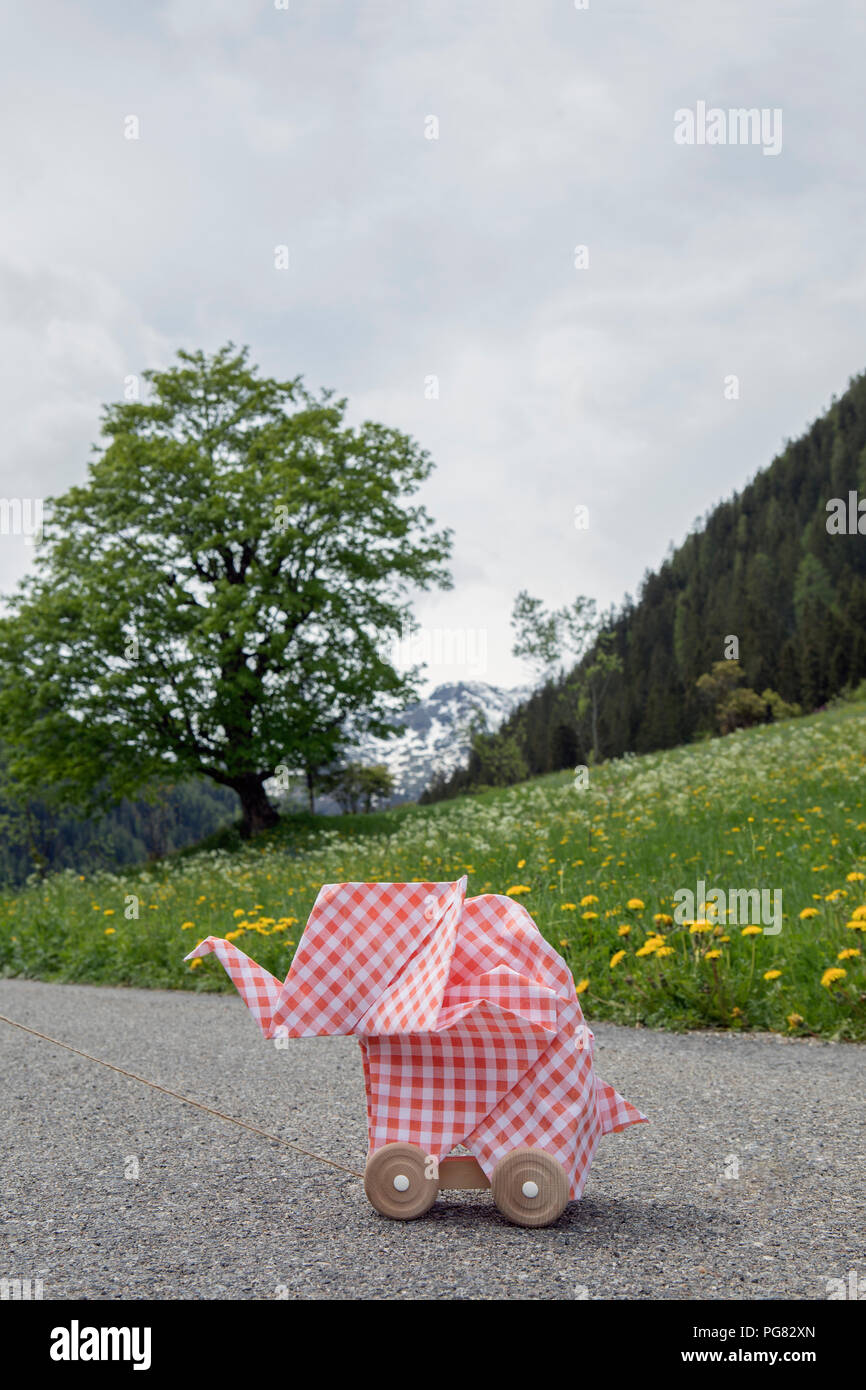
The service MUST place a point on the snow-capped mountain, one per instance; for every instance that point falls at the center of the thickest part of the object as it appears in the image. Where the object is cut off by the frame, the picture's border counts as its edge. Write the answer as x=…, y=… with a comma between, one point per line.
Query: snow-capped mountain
x=437, y=733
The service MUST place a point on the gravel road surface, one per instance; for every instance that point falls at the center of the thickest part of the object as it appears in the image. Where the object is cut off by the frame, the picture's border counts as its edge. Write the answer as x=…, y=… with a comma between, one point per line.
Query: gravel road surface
x=218, y=1212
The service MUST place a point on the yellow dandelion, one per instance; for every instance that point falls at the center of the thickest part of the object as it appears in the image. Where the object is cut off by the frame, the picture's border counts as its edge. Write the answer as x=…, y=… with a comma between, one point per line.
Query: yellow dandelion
x=110, y=931
x=581, y=986
x=193, y=965
x=663, y=919
x=589, y=916
x=624, y=929
x=635, y=905
x=616, y=958
x=239, y=912
x=665, y=951
x=794, y=1020
x=569, y=907
x=590, y=898
x=830, y=976
x=855, y=877
x=772, y=974
x=521, y=863
x=713, y=955
x=696, y=927
x=751, y=931
x=808, y=912
x=517, y=889
x=850, y=953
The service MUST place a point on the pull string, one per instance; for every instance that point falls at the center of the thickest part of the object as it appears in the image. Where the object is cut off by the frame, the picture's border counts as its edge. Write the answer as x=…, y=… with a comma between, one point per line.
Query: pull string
x=187, y=1100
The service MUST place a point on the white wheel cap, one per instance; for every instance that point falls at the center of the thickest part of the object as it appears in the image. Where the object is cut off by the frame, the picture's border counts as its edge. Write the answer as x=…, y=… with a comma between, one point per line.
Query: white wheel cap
x=401, y=1182
x=529, y=1189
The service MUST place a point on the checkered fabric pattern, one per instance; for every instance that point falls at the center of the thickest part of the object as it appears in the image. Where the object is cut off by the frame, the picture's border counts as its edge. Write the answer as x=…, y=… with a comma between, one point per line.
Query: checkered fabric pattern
x=358, y=951
x=469, y=1025
x=257, y=987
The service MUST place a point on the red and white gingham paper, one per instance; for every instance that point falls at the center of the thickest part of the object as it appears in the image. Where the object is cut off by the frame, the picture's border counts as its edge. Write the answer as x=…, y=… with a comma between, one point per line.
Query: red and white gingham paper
x=469, y=1025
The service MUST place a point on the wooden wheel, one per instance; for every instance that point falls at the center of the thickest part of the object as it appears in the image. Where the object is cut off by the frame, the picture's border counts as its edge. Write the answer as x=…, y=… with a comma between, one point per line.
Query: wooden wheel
x=530, y=1188
x=396, y=1184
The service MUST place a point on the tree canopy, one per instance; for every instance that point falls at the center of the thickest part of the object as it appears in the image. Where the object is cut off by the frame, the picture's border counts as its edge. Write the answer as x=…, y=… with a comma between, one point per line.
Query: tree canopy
x=214, y=598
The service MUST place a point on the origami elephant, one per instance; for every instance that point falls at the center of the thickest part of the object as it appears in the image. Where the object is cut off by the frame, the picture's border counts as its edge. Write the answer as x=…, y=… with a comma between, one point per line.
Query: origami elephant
x=471, y=1034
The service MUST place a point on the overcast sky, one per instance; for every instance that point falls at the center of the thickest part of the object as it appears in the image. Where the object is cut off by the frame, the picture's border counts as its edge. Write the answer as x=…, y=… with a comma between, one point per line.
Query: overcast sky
x=602, y=385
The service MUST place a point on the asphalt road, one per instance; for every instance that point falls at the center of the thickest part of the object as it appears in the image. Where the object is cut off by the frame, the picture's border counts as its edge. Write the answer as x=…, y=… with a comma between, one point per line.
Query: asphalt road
x=218, y=1212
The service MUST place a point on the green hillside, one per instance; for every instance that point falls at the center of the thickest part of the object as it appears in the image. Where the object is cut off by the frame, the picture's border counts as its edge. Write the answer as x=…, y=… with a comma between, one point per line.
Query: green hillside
x=762, y=567
x=781, y=807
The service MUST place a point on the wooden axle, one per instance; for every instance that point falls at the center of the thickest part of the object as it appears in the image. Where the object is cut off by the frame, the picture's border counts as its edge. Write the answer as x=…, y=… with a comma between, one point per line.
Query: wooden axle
x=462, y=1172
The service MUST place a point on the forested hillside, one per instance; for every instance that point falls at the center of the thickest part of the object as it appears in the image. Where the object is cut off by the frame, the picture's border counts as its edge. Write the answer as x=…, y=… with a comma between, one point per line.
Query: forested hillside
x=762, y=567
x=36, y=838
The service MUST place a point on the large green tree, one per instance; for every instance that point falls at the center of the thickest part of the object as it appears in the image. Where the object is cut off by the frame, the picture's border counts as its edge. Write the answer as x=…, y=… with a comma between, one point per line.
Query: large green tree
x=218, y=596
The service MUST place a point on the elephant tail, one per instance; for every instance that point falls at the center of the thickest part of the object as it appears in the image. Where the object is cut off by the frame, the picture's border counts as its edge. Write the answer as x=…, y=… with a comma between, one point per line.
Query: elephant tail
x=614, y=1112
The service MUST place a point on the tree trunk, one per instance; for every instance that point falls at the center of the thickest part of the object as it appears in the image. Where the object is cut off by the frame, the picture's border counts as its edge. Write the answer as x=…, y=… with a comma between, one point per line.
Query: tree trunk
x=311, y=790
x=257, y=812
x=596, y=751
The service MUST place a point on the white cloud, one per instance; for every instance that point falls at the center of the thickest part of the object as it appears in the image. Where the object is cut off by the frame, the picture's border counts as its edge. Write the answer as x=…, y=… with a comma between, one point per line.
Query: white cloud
x=455, y=257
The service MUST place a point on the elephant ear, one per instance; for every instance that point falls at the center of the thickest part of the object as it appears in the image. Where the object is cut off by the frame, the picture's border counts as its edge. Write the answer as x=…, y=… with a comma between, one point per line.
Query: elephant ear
x=359, y=939
x=413, y=1001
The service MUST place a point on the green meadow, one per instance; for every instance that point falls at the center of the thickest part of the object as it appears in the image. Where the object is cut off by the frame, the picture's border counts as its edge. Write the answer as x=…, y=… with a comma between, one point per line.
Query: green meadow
x=779, y=807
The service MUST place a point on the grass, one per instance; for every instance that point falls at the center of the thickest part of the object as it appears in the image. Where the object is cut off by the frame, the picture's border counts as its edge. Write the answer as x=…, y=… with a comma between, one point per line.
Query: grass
x=777, y=807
